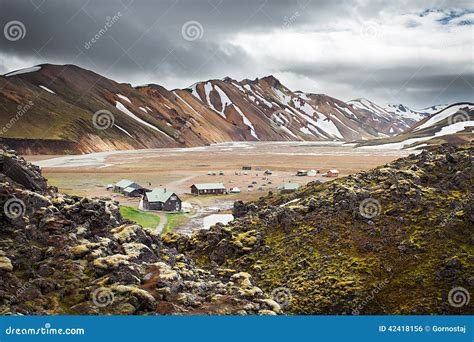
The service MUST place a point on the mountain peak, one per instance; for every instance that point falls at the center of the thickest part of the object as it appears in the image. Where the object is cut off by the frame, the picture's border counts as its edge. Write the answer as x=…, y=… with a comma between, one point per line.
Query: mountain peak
x=271, y=81
x=228, y=79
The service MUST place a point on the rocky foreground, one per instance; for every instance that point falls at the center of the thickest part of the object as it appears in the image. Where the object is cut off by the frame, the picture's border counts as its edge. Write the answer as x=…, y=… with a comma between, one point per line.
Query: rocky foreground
x=394, y=240
x=63, y=254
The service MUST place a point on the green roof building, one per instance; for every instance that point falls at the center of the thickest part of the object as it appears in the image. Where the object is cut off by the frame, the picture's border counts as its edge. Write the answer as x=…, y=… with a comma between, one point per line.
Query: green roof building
x=161, y=199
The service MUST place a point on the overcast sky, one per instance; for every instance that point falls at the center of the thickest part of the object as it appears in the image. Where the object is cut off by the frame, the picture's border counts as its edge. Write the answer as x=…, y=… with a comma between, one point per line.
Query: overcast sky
x=418, y=53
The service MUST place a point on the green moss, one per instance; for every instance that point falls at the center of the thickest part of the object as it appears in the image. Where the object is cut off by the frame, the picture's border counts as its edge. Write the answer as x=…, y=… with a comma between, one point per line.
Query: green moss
x=173, y=220
x=145, y=219
x=333, y=261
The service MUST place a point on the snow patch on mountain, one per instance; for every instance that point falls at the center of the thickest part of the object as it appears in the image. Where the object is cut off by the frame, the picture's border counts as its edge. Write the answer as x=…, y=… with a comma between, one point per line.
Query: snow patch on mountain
x=433, y=109
x=306, y=131
x=328, y=126
x=23, y=71
x=225, y=101
x=123, y=130
x=207, y=91
x=123, y=97
x=365, y=104
x=450, y=129
x=347, y=111
x=125, y=110
x=194, y=91
x=186, y=103
x=47, y=89
x=404, y=112
x=443, y=115
x=282, y=97
x=247, y=122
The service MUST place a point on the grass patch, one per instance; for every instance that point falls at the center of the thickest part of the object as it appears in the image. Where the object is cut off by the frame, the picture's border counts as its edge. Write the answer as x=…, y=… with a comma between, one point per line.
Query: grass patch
x=173, y=220
x=146, y=220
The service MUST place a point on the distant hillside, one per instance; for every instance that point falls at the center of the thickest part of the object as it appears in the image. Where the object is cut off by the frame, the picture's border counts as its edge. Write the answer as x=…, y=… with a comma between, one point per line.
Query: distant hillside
x=453, y=124
x=390, y=119
x=66, y=109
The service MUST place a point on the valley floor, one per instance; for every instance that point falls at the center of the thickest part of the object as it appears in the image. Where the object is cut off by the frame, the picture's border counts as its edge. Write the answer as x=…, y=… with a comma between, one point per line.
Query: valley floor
x=178, y=168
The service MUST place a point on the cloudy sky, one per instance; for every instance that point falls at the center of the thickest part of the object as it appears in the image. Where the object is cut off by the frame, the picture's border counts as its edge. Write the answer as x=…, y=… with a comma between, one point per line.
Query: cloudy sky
x=418, y=53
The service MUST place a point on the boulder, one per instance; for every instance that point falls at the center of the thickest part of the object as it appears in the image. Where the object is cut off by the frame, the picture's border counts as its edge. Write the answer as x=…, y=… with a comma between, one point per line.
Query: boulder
x=5, y=264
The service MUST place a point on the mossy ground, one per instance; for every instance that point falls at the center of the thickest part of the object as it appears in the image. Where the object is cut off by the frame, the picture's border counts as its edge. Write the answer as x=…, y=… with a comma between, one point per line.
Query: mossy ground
x=173, y=220
x=145, y=219
x=404, y=260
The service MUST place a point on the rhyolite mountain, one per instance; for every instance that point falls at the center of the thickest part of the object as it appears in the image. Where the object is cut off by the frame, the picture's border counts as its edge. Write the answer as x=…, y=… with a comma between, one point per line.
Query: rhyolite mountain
x=453, y=124
x=392, y=240
x=391, y=119
x=50, y=109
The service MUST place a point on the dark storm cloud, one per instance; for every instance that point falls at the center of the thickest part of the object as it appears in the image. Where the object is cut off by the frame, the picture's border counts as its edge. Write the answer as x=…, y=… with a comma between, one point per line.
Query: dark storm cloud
x=146, y=37
x=143, y=43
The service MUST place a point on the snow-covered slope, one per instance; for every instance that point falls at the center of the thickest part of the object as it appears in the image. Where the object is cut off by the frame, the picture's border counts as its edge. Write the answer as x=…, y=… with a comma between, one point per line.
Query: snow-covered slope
x=266, y=108
x=433, y=109
x=456, y=112
x=404, y=112
x=454, y=123
x=391, y=119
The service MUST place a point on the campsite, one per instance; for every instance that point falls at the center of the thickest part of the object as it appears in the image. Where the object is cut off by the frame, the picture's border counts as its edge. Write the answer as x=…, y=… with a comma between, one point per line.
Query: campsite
x=247, y=171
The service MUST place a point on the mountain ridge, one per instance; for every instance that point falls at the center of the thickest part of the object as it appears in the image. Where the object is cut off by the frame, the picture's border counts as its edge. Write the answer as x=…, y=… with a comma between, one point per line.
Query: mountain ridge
x=79, y=111
x=452, y=124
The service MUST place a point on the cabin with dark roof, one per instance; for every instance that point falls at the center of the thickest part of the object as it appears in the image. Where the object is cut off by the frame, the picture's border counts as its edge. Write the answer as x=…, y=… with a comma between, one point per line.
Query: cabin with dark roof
x=208, y=189
x=161, y=199
x=129, y=188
